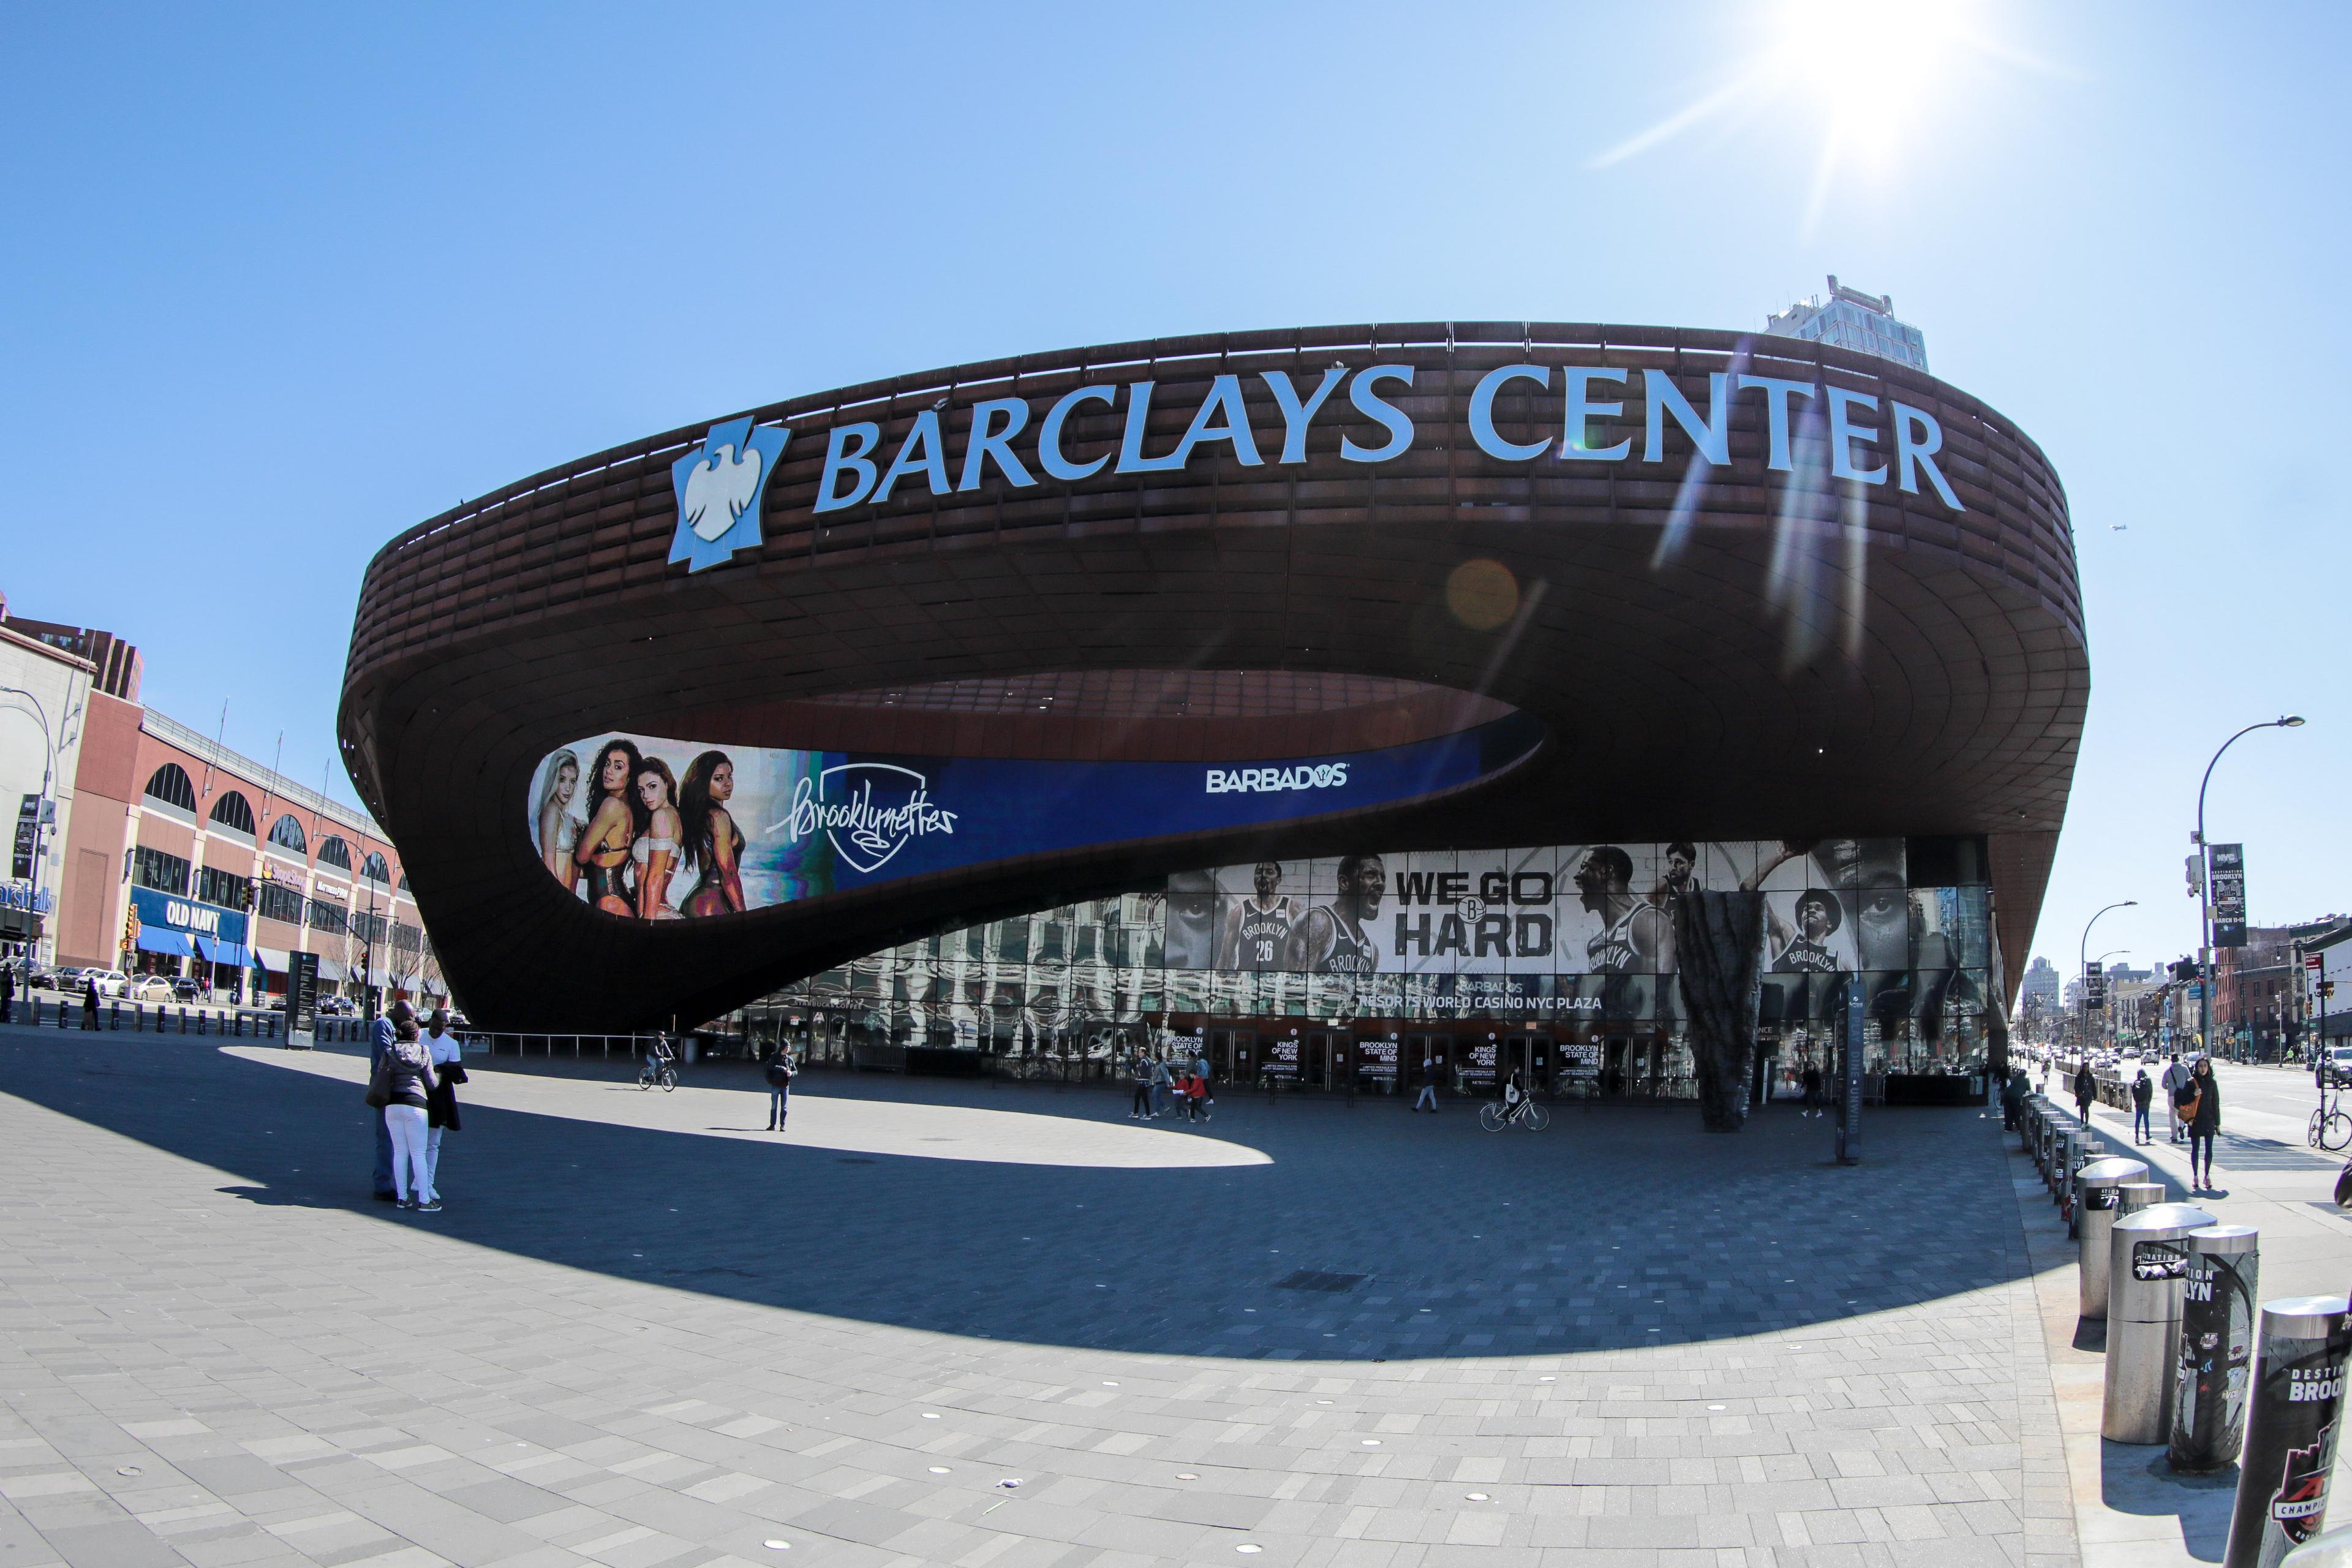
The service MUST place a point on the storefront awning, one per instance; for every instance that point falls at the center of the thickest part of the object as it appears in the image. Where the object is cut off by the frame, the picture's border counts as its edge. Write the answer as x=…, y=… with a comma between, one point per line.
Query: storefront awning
x=213, y=950
x=156, y=938
x=272, y=959
x=329, y=970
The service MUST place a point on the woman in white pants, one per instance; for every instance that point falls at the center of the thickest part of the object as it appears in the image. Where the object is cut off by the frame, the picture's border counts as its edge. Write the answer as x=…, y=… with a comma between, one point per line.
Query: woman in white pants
x=441, y=1110
x=409, y=1077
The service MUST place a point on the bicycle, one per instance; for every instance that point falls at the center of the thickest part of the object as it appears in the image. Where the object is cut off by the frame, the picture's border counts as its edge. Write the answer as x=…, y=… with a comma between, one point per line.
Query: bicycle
x=1494, y=1116
x=2331, y=1129
x=657, y=1068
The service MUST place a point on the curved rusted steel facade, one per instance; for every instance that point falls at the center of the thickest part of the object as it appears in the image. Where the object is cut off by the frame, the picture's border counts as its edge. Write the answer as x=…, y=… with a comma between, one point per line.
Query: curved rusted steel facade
x=1732, y=649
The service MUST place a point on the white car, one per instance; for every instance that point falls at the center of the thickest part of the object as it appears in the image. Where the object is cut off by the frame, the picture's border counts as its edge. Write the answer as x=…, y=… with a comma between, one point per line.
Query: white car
x=146, y=988
x=111, y=981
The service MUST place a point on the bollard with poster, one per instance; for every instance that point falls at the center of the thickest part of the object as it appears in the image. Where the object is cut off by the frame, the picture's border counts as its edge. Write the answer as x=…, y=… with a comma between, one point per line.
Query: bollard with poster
x=2290, y=1451
x=2217, y=1347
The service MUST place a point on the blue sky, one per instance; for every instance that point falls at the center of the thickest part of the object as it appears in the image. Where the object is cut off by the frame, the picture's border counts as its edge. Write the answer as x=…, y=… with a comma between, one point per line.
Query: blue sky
x=280, y=283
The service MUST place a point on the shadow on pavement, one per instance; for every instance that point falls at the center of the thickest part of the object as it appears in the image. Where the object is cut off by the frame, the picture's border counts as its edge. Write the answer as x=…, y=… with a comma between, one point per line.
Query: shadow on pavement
x=1619, y=1228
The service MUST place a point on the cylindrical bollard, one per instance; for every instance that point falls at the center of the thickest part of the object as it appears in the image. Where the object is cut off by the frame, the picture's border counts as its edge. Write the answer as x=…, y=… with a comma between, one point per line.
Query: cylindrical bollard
x=2299, y=1388
x=2217, y=1346
x=2148, y=1261
x=2101, y=1184
x=2333, y=1549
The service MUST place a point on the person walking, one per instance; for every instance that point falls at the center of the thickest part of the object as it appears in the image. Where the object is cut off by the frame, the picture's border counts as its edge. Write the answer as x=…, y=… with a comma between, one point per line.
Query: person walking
x=386, y=1034
x=2087, y=1090
x=780, y=1087
x=2012, y=1098
x=2201, y=1110
x=408, y=1084
x=2143, y=1095
x=441, y=1101
x=90, y=1002
x=1140, y=1072
x=1161, y=1082
x=7, y=991
x=1429, y=1076
x=1199, y=1090
x=2175, y=1075
x=1812, y=1079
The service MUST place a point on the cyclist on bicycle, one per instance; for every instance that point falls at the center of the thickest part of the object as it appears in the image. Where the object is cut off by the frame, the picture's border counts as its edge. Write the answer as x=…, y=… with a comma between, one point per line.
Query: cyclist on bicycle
x=1512, y=1093
x=658, y=1057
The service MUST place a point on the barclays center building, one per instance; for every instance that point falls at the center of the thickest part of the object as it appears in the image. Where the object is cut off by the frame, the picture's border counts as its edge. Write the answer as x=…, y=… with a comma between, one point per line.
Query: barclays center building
x=1500, y=695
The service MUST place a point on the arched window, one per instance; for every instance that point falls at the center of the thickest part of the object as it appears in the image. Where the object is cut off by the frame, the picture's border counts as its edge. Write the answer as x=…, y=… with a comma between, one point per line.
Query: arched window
x=375, y=869
x=235, y=811
x=404, y=881
x=170, y=785
x=336, y=853
x=287, y=833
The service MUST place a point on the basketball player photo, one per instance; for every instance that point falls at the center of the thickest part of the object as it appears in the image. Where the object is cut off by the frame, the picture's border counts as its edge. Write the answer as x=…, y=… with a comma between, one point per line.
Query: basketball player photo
x=1337, y=938
x=1257, y=924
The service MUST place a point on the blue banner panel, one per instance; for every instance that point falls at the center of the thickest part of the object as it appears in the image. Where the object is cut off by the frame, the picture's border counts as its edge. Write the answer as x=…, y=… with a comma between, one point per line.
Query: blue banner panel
x=660, y=829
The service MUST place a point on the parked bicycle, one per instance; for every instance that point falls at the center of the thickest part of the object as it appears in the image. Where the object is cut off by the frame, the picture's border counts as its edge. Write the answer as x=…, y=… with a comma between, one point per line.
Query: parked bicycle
x=659, y=1068
x=2331, y=1129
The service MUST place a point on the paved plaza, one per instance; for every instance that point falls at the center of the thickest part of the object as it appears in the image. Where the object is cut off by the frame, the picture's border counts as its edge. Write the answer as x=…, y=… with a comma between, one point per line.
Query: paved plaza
x=951, y=1323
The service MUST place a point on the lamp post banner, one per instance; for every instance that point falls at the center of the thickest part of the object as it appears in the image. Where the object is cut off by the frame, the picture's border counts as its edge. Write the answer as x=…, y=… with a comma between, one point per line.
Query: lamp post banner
x=2227, y=880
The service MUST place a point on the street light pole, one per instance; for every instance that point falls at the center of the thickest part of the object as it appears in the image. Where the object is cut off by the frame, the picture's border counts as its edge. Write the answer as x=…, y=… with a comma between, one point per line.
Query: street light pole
x=2205, y=881
x=2083, y=963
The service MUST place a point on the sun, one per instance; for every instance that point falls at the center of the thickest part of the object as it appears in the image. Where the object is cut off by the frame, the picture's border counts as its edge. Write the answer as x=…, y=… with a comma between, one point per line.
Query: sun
x=1862, y=76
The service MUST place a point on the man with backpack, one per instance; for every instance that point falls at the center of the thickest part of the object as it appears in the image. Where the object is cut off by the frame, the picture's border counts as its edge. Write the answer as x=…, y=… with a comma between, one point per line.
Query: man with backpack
x=780, y=1087
x=2175, y=1075
x=2143, y=1094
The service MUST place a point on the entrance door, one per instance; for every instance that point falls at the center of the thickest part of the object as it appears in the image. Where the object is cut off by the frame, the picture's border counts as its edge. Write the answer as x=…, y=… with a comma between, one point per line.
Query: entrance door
x=1426, y=1047
x=1324, y=1060
x=1230, y=1056
x=1533, y=1059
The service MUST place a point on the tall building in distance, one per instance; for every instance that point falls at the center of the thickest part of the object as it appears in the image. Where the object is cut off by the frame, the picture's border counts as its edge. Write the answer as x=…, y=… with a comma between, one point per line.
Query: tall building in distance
x=1850, y=319
x=2040, y=986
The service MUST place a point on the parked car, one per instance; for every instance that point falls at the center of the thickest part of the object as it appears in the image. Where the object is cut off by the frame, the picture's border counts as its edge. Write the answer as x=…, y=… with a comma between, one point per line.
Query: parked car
x=146, y=988
x=111, y=981
x=276, y=1005
x=2339, y=1065
x=334, y=1007
x=186, y=989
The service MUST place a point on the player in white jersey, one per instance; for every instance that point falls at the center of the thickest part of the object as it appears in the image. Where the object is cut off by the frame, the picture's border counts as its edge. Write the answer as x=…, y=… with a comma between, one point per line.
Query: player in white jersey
x=1259, y=928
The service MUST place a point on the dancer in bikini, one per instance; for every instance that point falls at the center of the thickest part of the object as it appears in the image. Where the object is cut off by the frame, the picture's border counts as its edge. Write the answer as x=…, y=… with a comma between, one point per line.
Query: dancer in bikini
x=714, y=844
x=620, y=818
x=655, y=850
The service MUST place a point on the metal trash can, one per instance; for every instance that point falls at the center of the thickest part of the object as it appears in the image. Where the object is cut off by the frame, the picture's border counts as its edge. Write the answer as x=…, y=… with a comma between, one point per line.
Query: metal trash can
x=2298, y=1390
x=2101, y=1184
x=2131, y=1198
x=2061, y=1160
x=2148, y=1262
x=2217, y=1347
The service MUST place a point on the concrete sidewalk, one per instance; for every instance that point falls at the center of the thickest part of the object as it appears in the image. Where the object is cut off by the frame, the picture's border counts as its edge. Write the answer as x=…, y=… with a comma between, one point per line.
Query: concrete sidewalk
x=2131, y=1510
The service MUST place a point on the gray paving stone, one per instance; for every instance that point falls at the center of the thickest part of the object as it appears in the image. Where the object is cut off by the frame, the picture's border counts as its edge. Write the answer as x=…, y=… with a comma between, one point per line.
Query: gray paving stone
x=633, y=1342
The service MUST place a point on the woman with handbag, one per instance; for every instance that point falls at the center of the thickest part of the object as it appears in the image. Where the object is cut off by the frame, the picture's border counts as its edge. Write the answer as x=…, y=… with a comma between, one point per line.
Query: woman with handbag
x=441, y=1100
x=402, y=1083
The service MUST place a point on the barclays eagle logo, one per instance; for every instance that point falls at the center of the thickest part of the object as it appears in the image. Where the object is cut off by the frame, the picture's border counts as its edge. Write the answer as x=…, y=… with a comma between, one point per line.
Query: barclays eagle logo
x=719, y=486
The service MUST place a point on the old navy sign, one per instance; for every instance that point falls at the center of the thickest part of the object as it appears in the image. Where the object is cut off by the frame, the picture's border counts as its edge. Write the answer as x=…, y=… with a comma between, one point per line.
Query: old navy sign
x=1871, y=441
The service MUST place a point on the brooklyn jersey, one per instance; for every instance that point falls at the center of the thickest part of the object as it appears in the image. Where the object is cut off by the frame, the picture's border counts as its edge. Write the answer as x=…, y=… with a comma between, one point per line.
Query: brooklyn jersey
x=1350, y=953
x=1803, y=957
x=1614, y=951
x=1262, y=933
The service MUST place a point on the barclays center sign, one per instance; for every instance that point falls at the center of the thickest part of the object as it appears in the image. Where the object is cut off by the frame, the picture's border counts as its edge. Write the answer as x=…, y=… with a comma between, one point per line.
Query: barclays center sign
x=1023, y=443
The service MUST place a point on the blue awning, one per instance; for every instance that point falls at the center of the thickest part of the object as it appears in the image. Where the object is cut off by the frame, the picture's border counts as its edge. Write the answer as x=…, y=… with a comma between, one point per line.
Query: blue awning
x=156, y=938
x=215, y=951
